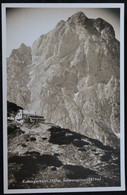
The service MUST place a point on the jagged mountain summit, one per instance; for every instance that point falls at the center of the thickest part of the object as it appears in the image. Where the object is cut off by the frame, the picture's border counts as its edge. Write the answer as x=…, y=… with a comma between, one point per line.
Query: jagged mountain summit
x=71, y=76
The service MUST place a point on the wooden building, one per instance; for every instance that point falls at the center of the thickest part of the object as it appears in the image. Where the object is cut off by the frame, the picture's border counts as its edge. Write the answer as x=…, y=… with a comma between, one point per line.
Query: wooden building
x=28, y=117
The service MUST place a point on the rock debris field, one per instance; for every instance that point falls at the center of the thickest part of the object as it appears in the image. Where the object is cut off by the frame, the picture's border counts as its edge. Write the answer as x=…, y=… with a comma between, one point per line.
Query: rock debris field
x=45, y=156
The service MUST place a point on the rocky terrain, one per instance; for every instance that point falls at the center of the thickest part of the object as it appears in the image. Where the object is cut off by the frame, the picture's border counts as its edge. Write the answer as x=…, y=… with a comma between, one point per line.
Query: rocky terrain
x=45, y=156
x=18, y=76
x=71, y=76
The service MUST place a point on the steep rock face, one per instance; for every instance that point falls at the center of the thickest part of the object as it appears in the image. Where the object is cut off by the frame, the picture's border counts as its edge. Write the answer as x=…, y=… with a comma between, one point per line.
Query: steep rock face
x=74, y=78
x=18, y=76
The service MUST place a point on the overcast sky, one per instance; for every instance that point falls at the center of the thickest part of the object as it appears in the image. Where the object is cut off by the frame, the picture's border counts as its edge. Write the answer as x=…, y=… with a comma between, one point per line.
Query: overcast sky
x=25, y=25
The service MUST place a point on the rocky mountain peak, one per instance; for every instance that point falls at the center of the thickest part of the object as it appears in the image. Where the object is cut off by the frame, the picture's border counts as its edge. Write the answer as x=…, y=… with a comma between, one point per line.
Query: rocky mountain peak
x=71, y=72
x=103, y=27
x=22, y=53
x=23, y=45
x=78, y=18
x=18, y=75
x=97, y=27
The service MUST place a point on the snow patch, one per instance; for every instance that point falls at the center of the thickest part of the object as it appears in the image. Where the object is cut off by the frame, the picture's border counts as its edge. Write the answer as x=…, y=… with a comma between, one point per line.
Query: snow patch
x=76, y=57
x=75, y=96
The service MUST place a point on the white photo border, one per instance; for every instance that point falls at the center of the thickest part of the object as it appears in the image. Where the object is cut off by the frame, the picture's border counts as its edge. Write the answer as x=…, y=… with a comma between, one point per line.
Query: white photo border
x=4, y=79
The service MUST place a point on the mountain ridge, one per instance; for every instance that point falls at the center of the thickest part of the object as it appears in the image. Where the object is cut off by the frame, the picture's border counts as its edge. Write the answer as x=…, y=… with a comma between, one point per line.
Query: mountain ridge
x=73, y=78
